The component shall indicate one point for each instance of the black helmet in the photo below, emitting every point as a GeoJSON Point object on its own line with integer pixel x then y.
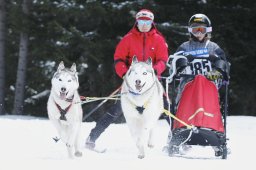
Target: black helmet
{"type": "Point", "coordinates": [200, 19]}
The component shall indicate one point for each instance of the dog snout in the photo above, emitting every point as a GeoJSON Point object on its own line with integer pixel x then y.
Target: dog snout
{"type": "Point", "coordinates": [63, 89]}
{"type": "Point", "coordinates": [137, 82]}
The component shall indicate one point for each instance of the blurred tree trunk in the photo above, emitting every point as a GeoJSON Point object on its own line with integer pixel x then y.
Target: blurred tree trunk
{"type": "Point", "coordinates": [2, 54]}
{"type": "Point", "coordinates": [22, 64]}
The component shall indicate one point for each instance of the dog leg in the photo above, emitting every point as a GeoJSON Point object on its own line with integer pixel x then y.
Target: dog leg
{"type": "Point", "coordinates": [78, 152]}
{"type": "Point", "coordinates": [70, 143]}
{"type": "Point", "coordinates": [135, 130]}
{"type": "Point", "coordinates": [72, 133]}
{"type": "Point", "coordinates": [140, 147]}
{"type": "Point", "coordinates": [151, 138]}
{"type": "Point", "coordinates": [60, 129]}
{"type": "Point", "coordinates": [70, 150]}
{"type": "Point", "coordinates": [142, 139]}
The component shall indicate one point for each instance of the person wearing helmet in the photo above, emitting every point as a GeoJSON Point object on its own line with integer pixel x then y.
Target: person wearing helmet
{"type": "Point", "coordinates": [143, 41]}
{"type": "Point", "coordinates": [200, 45]}
{"type": "Point", "coordinates": [197, 47]}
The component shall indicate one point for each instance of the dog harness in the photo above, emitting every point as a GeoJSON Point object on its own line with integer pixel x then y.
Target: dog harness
{"type": "Point", "coordinates": [63, 112]}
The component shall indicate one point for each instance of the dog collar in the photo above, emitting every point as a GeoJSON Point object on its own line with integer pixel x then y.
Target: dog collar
{"type": "Point", "coordinates": [134, 93]}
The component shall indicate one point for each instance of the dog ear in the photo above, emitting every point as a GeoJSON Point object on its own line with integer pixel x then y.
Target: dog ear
{"type": "Point", "coordinates": [73, 67]}
{"type": "Point", "coordinates": [76, 75]}
{"type": "Point", "coordinates": [149, 61]}
{"type": "Point", "coordinates": [134, 59]}
{"type": "Point", "coordinates": [61, 66]}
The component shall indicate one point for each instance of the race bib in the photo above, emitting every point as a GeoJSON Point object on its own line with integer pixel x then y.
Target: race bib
{"type": "Point", "coordinates": [199, 66]}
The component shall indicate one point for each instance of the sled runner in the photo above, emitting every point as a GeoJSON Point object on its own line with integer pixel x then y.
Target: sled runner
{"type": "Point", "coordinates": [198, 105]}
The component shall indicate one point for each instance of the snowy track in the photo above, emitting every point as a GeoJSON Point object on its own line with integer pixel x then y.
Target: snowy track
{"type": "Point", "coordinates": [26, 143]}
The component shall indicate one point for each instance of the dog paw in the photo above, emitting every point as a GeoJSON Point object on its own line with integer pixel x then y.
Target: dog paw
{"type": "Point", "coordinates": [68, 145]}
{"type": "Point", "coordinates": [150, 145]}
{"type": "Point", "coordinates": [56, 139]}
{"type": "Point", "coordinates": [78, 154]}
{"type": "Point", "coordinates": [141, 156]}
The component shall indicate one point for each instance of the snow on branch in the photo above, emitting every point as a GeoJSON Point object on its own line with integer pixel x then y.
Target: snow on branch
{"type": "Point", "coordinates": [33, 99]}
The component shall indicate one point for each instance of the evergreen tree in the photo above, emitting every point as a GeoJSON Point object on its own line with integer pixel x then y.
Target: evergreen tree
{"type": "Point", "coordinates": [2, 54]}
{"type": "Point", "coordinates": [87, 32]}
{"type": "Point", "coordinates": [22, 64]}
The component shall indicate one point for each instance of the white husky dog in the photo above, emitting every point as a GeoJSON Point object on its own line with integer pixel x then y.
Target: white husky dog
{"type": "Point", "coordinates": [142, 102]}
{"type": "Point", "coordinates": [64, 108]}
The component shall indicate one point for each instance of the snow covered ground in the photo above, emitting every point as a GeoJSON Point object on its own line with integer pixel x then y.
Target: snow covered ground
{"type": "Point", "coordinates": [26, 143]}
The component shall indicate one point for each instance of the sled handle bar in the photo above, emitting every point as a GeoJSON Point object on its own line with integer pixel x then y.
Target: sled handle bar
{"type": "Point", "coordinates": [188, 58]}
{"type": "Point", "coordinates": [207, 58]}
{"type": "Point", "coordinates": [185, 75]}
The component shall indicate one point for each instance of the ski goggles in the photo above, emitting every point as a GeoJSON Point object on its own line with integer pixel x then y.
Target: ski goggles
{"type": "Point", "coordinates": [144, 22]}
{"type": "Point", "coordinates": [201, 29]}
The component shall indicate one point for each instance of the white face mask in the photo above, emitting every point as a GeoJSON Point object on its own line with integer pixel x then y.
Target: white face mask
{"type": "Point", "coordinates": [144, 28]}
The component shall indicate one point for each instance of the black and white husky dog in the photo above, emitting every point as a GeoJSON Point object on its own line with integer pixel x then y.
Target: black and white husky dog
{"type": "Point", "coordinates": [142, 102]}
{"type": "Point", "coordinates": [64, 108]}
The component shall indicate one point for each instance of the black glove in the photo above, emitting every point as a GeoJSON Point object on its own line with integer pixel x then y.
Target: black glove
{"type": "Point", "coordinates": [213, 58]}
{"type": "Point", "coordinates": [223, 67]}
{"type": "Point", "coordinates": [155, 72]}
{"type": "Point", "coordinates": [190, 57]}
{"type": "Point", "coordinates": [181, 64]}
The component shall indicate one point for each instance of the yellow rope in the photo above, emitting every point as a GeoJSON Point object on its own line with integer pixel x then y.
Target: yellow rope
{"type": "Point", "coordinates": [101, 98]}
{"type": "Point", "coordinates": [93, 99]}
{"type": "Point", "coordinates": [201, 110]}
{"type": "Point", "coordinates": [196, 112]}
{"type": "Point", "coordinates": [174, 117]}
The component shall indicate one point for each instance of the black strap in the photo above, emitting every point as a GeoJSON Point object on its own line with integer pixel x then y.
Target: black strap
{"type": "Point", "coordinates": [119, 60]}
{"type": "Point", "coordinates": [63, 112]}
{"type": "Point", "coordinates": [140, 109]}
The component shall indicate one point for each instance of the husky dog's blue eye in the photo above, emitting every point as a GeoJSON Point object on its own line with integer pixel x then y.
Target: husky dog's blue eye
{"type": "Point", "coordinates": [145, 73]}
{"type": "Point", "coordinates": [69, 80]}
{"type": "Point", "coordinates": [60, 80]}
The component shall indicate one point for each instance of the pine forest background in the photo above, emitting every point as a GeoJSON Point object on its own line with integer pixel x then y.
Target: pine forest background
{"type": "Point", "coordinates": [35, 35]}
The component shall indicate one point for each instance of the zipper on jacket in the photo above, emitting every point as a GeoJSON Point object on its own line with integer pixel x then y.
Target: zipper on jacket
{"type": "Point", "coordinates": [144, 44]}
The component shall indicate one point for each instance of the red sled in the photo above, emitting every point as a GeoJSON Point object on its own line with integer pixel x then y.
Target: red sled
{"type": "Point", "coordinates": [199, 107]}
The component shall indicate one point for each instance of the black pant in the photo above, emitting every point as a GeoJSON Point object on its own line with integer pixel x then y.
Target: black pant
{"type": "Point", "coordinates": [111, 115]}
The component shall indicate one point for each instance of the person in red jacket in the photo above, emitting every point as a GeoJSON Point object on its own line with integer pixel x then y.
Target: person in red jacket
{"type": "Point", "coordinates": [143, 41]}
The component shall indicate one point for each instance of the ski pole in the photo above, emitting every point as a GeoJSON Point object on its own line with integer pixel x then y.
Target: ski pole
{"type": "Point", "coordinates": [100, 104]}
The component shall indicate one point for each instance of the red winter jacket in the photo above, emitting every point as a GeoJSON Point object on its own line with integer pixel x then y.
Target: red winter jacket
{"type": "Point", "coordinates": [143, 45]}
